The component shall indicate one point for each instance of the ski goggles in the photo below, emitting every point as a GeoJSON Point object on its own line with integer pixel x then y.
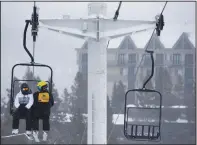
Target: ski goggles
{"type": "Point", "coordinates": [25, 89]}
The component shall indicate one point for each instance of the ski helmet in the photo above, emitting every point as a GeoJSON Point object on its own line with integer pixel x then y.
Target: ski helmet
{"type": "Point", "coordinates": [42, 85]}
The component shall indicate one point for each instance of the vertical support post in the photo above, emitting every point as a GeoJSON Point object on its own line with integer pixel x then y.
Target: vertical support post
{"type": "Point", "coordinates": [97, 91]}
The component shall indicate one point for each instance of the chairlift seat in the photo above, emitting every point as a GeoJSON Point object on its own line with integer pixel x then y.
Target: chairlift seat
{"type": "Point", "coordinates": [142, 131]}
{"type": "Point", "coordinates": [26, 80]}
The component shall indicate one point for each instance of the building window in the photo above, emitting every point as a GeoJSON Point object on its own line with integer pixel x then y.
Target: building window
{"type": "Point", "coordinates": [132, 58]}
{"type": "Point", "coordinates": [189, 73]}
{"type": "Point", "coordinates": [159, 59]}
{"type": "Point", "coordinates": [121, 58]}
{"type": "Point", "coordinates": [188, 59]}
{"type": "Point", "coordinates": [176, 59]}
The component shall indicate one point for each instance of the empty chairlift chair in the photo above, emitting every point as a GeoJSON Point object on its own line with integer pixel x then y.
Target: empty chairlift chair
{"type": "Point", "coordinates": [138, 129]}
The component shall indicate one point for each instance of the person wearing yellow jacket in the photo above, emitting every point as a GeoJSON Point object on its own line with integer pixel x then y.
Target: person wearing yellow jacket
{"type": "Point", "coordinates": [43, 101]}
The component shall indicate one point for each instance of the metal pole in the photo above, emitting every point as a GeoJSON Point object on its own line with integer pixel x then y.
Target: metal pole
{"type": "Point", "coordinates": [34, 43]}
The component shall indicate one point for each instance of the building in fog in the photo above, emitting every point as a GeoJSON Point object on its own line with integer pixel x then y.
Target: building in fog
{"type": "Point", "coordinates": [124, 60]}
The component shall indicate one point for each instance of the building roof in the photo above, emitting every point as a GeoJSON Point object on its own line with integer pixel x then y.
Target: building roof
{"type": "Point", "coordinates": [154, 43]}
{"type": "Point", "coordinates": [183, 42]}
{"type": "Point", "coordinates": [127, 43]}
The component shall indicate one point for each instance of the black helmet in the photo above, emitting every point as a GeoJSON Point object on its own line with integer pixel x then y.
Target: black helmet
{"type": "Point", "coordinates": [25, 89]}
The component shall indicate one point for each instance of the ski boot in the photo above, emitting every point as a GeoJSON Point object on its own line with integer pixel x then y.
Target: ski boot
{"type": "Point", "coordinates": [44, 136]}
{"type": "Point", "coordinates": [15, 131]}
{"type": "Point", "coordinates": [35, 135]}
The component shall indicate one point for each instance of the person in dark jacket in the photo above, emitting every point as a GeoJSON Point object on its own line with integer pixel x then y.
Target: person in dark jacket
{"type": "Point", "coordinates": [23, 103]}
{"type": "Point", "coordinates": [43, 101]}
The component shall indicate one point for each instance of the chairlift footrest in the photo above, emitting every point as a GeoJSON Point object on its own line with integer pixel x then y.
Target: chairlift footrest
{"type": "Point", "coordinates": [144, 132]}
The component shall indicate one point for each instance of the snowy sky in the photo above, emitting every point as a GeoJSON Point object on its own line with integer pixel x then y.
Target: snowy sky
{"type": "Point", "coordinates": [58, 50]}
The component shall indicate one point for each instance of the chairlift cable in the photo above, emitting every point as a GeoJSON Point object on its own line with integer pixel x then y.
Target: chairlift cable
{"type": "Point", "coordinates": [117, 11]}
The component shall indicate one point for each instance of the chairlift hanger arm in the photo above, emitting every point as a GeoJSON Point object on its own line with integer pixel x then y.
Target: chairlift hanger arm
{"type": "Point", "coordinates": [152, 69]}
{"type": "Point", "coordinates": [160, 21]}
{"type": "Point", "coordinates": [34, 22]}
{"type": "Point", "coordinates": [24, 40]}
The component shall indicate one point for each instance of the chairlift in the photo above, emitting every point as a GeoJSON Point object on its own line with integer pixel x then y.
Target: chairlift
{"type": "Point", "coordinates": [143, 131]}
{"type": "Point", "coordinates": [34, 23]}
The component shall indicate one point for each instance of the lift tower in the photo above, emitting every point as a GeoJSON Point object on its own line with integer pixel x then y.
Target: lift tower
{"type": "Point", "coordinates": [97, 29]}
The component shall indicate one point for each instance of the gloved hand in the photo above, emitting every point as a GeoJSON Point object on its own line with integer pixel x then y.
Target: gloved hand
{"type": "Point", "coordinates": [28, 109]}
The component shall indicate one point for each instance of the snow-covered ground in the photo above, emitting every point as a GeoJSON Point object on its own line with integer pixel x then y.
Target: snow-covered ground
{"type": "Point", "coordinates": [119, 118]}
{"type": "Point", "coordinates": [154, 106]}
